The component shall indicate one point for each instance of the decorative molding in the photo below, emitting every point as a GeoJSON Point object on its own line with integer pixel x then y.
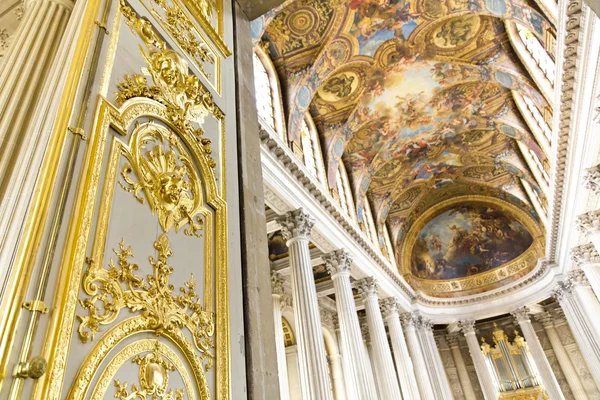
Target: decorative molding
{"type": "Point", "coordinates": [337, 262]}
{"type": "Point", "coordinates": [589, 223]}
{"type": "Point", "coordinates": [277, 282]}
{"type": "Point", "coordinates": [296, 224]}
{"type": "Point", "coordinates": [545, 318]}
{"type": "Point", "coordinates": [453, 339]}
{"type": "Point", "coordinates": [585, 254]}
{"type": "Point", "coordinates": [591, 178]}
{"type": "Point", "coordinates": [364, 329]}
{"type": "Point", "coordinates": [327, 319]}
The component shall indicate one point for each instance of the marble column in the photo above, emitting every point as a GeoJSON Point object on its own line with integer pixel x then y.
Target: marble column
{"type": "Point", "coordinates": [296, 227]}
{"type": "Point", "coordinates": [417, 357]}
{"type": "Point", "coordinates": [295, 391]}
{"type": "Point", "coordinates": [368, 350]}
{"type": "Point", "coordinates": [437, 373]}
{"type": "Point", "coordinates": [453, 340]}
{"type": "Point", "coordinates": [486, 381]}
{"type": "Point", "coordinates": [579, 322]}
{"type": "Point", "coordinates": [384, 364]}
{"type": "Point", "coordinates": [588, 301]}
{"type": "Point", "coordinates": [278, 303]}
{"type": "Point", "coordinates": [587, 258]}
{"type": "Point", "coordinates": [537, 352]}
{"type": "Point", "coordinates": [338, 263]}
{"type": "Point", "coordinates": [404, 366]}
{"type": "Point", "coordinates": [564, 361]}
{"type": "Point", "coordinates": [337, 376]}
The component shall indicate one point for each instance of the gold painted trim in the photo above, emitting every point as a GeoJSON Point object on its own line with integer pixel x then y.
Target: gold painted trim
{"type": "Point", "coordinates": [135, 348]}
{"type": "Point", "coordinates": [215, 35]}
{"type": "Point", "coordinates": [467, 285]}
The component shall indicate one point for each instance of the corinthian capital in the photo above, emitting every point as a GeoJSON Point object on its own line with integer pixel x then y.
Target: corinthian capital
{"type": "Point", "coordinates": [591, 179]}
{"type": "Point", "coordinates": [564, 290]}
{"type": "Point", "coordinates": [277, 283]}
{"type": "Point", "coordinates": [296, 224]}
{"type": "Point", "coordinates": [545, 318]}
{"type": "Point", "coordinates": [367, 287]}
{"type": "Point", "coordinates": [467, 326]}
{"type": "Point", "coordinates": [521, 314]}
{"type": "Point", "coordinates": [407, 320]}
{"type": "Point", "coordinates": [577, 277]}
{"type": "Point", "coordinates": [338, 262]}
{"type": "Point", "coordinates": [389, 307]}
{"type": "Point", "coordinates": [453, 339]}
{"type": "Point", "coordinates": [589, 223]}
{"type": "Point", "coordinates": [585, 254]}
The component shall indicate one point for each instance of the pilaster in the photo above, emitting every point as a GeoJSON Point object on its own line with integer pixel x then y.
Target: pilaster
{"type": "Point", "coordinates": [453, 340]}
{"type": "Point", "coordinates": [278, 303]}
{"type": "Point", "coordinates": [486, 381]}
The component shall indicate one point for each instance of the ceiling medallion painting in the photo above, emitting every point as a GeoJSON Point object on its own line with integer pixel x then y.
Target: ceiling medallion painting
{"type": "Point", "coordinates": [418, 100]}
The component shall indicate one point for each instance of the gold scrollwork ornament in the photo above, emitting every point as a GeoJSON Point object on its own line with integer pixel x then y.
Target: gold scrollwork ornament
{"type": "Point", "coordinates": [153, 377]}
{"type": "Point", "coordinates": [119, 287]}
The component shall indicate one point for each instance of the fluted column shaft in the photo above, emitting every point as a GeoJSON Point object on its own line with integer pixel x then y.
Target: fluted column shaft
{"type": "Point", "coordinates": [338, 264]}
{"type": "Point", "coordinates": [417, 357]}
{"type": "Point", "coordinates": [337, 376]}
{"type": "Point", "coordinates": [461, 367]}
{"type": "Point", "coordinates": [278, 303]}
{"type": "Point", "coordinates": [384, 364]}
{"type": "Point", "coordinates": [563, 358]}
{"type": "Point", "coordinates": [537, 352]}
{"type": "Point", "coordinates": [404, 366]}
{"type": "Point", "coordinates": [296, 227]}
{"type": "Point", "coordinates": [483, 373]}
{"type": "Point", "coordinates": [293, 366]}
{"type": "Point", "coordinates": [579, 323]}
{"type": "Point", "coordinates": [437, 373]}
{"type": "Point", "coordinates": [368, 350]}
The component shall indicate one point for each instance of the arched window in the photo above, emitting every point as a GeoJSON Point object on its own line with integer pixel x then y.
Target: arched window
{"type": "Point", "coordinates": [388, 245]}
{"type": "Point", "coordinates": [539, 165]}
{"type": "Point", "coordinates": [311, 151]}
{"type": "Point", "coordinates": [268, 97]}
{"type": "Point", "coordinates": [538, 52]}
{"type": "Point", "coordinates": [539, 118]}
{"type": "Point", "coordinates": [344, 192]}
{"type": "Point", "coordinates": [371, 231]}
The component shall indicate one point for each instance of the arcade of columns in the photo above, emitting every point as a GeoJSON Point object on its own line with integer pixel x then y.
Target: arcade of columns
{"type": "Point", "coordinates": [403, 361]}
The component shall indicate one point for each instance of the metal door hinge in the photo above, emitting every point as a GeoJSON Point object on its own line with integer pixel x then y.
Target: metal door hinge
{"type": "Point", "coordinates": [36, 305]}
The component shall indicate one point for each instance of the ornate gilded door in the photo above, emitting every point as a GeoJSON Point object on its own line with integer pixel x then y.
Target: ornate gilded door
{"type": "Point", "coordinates": [141, 307]}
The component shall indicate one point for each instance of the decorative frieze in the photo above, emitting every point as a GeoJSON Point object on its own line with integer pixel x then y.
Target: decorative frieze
{"type": "Point", "coordinates": [277, 282]}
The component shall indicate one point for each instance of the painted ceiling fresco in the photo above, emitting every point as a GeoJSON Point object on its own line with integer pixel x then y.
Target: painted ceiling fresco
{"type": "Point", "coordinates": [416, 98]}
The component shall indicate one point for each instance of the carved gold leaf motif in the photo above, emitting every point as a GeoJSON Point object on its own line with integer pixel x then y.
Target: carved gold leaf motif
{"type": "Point", "coordinates": [119, 287]}
{"type": "Point", "coordinates": [153, 379]}
{"type": "Point", "coordinates": [165, 173]}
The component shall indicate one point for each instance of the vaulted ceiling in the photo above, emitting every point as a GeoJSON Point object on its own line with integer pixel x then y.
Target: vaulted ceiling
{"type": "Point", "coordinates": [416, 99]}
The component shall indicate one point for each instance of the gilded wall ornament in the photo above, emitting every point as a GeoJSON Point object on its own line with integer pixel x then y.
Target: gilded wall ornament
{"type": "Point", "coordinates": [161, 168]}
{"type": "Point", "coordinates": [119, 287]}
{"type": "Point", "coordinates": [153, 379]}
{"type": "Point", "coordinates": [187, 101]}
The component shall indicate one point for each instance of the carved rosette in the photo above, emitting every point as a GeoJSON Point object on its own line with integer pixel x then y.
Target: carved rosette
{"type": "Point", "coordinates": [338, 262]}
{"type": "Point", "coordinates": [591, 179]}
{"type": "Point", "coordinates": [589, 223]}
{"type": "Point", "coordinates": [367, 287]}
{"type": "Point", "coordinates": [296, 224]}
{"type": "Point", "coordinates": [389, 307]}
{"type": "Point", "coordinates": [545, 318]}
{"type": "Point", "coordinates": [467, 326]}
{"type": "Point", "coordinates": [585, 254]}
{"type": "Point", "coordinates": [521, 314]}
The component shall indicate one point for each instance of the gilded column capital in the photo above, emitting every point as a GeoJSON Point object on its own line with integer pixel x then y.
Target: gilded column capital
{"type": "Point", "coordinates": [467, 326]}
{"type": "Point", "coordinates": [521, 314]}
{"type": "Point", "coordinates": [588, 223]}
{"type": "Point", "coordinates": [585, 254]}
{"type": "Point", "coordinates": [545, 318]}
{"type": "Point", "coordinates": [591, 179]}
{"type": "Point", "coordinates": [338, 262]}
{"type": "Point", "coordinates": [277, 282]}
{"type": "Point", "coordinates": [389, 308]}
{"type": "Point", "coordinates": [367, 287]}
{"type": "Point", "coordinates": [453, 339]}
{"type": "Point", "coordinates": [296, 224]}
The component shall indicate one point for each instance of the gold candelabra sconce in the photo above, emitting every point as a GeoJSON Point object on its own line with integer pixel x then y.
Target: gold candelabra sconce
{"type": "Point", "coordinates": [512, 367]}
